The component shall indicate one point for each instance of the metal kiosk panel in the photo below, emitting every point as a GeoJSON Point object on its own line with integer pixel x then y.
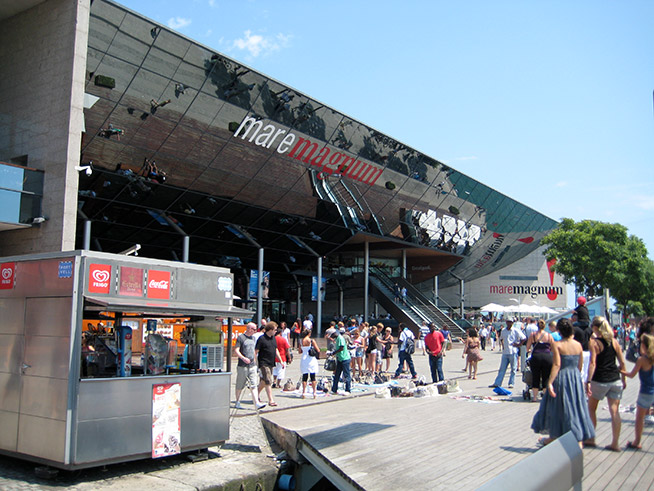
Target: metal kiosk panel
{"type": "Point", "coordinates": [90, 422]}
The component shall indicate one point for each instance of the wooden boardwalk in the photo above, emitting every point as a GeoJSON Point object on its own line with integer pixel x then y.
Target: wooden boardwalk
{"type": "Point", "coordinates": [446, 443]}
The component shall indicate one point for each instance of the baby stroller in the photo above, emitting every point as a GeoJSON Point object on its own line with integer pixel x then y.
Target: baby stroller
{"type": "Point", "coordinates": [528, 379]}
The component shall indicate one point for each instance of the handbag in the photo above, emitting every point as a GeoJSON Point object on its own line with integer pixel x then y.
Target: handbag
{"type": "Point", "coordinates": [632, 352]}
{"type": "Point", "coordinates": [314, 352]}
{"type": "Point", "coordinates": [330, 364]}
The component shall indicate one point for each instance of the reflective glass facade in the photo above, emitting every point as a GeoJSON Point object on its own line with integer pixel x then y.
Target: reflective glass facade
{"type": "Point", "coordinates": [240, 148]}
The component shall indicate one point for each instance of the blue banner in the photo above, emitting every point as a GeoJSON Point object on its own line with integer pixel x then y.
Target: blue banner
{"type": "Point", "coordinates": [254, 283]}
{"type": "Point", "coordinates": [314, 288]}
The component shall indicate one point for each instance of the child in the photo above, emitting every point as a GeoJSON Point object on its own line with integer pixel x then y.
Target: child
{"type": "Point", "coordinates": [643, 368]}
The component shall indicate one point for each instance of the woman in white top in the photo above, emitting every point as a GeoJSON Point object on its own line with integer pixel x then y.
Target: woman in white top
{"type": "Point", "coordinates": [308, 364]}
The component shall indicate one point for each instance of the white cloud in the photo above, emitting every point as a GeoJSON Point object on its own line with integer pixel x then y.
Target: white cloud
{"type": "Point", "coordinates": [644, 202]}
{"type": "Point", "coordinates": [256, 44]}
{"type": "Point", "coordinates": [212, 3]}
{"type": "Point", "coordinates": [178, 22]}
{"type": "Point", "coordinates": [562, 184]}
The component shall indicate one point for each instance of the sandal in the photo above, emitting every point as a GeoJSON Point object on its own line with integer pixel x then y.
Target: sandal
{"type": "Point", "coordinates": [542, 442]}
{"type": "Point", "coordinates": [590, 445]}
{"type": "Point", "coordinates": [633, 447]}
{"type": "Point", "coordinates": [272, 404]}
{"type": "Point", "coordinates": [612, 449]}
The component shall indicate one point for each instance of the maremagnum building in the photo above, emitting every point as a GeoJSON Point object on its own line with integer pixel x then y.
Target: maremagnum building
{"type": "Point", "coordinates": [119, 134]}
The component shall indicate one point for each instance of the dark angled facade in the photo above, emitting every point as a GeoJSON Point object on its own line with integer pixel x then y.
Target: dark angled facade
{"type": "Point", "coordinates": [241, 151]}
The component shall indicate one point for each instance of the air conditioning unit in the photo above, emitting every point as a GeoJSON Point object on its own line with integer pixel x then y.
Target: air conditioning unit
{"type": "Point", "coordinates": [208, 356]}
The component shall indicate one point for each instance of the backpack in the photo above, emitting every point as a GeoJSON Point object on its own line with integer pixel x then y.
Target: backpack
{"type": "Point", "coordinates": [410, 345]}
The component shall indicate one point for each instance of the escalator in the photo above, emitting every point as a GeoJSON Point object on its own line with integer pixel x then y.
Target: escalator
{"type": "Point", "coordinates": [351, 205]}
{"type": "Point", "coordinates": [417, 307]}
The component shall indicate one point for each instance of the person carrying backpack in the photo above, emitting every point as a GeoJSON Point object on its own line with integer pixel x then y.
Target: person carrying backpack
{"type": "Point", "coordinates": [407, 346]}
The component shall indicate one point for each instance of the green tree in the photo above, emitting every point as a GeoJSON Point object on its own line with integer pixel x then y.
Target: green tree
{"type": "Point", "coordinates": [596, 255]}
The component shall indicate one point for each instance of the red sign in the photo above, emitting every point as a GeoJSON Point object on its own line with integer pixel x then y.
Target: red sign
{"type": "Point", "coordinates": [158, 284]}
{"type": "Point", "coordinates": [131, 281]}
{"type": "Point", "coordinates": [99, 278]}
{"type": "Point", "coordinates": [7, 274]}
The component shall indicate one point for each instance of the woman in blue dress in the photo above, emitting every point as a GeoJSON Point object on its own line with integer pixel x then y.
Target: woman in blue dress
{"type": "Point", "coordinates": [564, 407]}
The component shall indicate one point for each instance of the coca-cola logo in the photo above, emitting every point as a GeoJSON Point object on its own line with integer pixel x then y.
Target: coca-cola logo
{"type": "Point", "coordinates": [162, 285]}
{"type": "Point", "coordinates": [99, 278]}
{"type": "Point", "coordinates": [159, 284]}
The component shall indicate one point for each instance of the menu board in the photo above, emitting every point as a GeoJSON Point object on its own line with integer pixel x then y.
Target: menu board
{"type": "Point", "coordinates": [166, 412]}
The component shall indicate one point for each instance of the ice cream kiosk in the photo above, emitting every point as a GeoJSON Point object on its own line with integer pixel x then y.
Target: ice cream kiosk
{"type": "Point", "coordinates": [72, 395]}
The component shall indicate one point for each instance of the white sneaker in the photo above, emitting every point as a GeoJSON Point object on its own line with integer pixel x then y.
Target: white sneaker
{"type": "Point", "coordinates": [238, 405]}
{"type": "Point", "coordinates": [261, 405]}
{"type": "Point", "coordinates": [649, 420]}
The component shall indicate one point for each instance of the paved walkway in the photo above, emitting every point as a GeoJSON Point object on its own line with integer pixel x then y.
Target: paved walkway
{"type": "Point", "coordinates": [248, 456]}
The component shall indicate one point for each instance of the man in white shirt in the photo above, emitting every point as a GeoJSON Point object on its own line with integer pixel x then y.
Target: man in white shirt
{"type": "Point", "coordinates": [307, 324]}
{"type": "Point", "coordinates": [531, 328]}
{"type": "Point", "coordinates": [483, 336]}
{"type": "Point", "coordinates": [424, 330]}
{"type": "Point", "coordinates": [407, 346]}
{"type": "Point", "coordinates": [512, 338]}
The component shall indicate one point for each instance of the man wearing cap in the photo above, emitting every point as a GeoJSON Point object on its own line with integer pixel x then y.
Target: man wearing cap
{"type": "Point", "coordinates": [512, 338]}
{"type": "Point", "coordinates": [435, 343]}
{"type": "Point", "coordinates": [582, 333]}
{"type": "Point", "coordinates": [342, 361]}
{"type": "Point", "coordinates": [583, 317]}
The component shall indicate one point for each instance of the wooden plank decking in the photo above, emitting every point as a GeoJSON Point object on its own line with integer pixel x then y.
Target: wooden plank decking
{"type": "Point", "coordinates": [444, 443]}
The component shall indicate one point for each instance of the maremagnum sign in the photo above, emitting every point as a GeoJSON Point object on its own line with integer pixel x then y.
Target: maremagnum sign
{"type": "Point", "coordinates": [327, 161]}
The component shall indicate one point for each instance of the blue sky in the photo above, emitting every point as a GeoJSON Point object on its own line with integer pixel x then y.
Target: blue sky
{"type": "Point", "coordinates": [549, 102]}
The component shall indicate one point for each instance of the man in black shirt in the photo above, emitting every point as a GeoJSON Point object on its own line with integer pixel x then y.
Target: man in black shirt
{"type": "Point", "coordinates": [266, 351]}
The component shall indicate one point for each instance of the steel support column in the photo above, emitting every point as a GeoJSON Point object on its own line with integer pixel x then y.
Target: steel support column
{"type": "Point", "coordinates": [366, 279]}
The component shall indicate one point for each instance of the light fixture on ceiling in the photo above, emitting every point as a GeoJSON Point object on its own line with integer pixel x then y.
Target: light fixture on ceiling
{"type": "Point", "coordinates": [39, 220]}
{"type": "Point", "coordinates": [132, 250]}
{"type": "Point", "coordinates": [87, 168]}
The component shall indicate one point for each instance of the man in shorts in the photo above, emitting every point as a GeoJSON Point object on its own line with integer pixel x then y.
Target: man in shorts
{"type": "Point", "coordinates": [265, 352]}
{"type": "Point", "coordinates": [246, 370]}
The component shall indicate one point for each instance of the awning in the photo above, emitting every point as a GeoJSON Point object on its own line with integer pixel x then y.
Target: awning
{"type": "Point", "coordinates": [168, 308]}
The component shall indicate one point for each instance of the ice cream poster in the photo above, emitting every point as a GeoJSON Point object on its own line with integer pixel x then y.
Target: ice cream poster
{"type": "Point", "coordinates": [166, 417]}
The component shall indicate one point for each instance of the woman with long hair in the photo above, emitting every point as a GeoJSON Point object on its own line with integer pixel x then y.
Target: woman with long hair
{"type": "Point", "coordinates": [308, 364]}
{"type": "Point", "coordinates": [473, 353]}
{"type": "Point", "coordinates": [605, 378]}
{"type": "Point", "coordinates": [357, 358]}
{"type": "Point", "coordinates": [295, 332]}
{"type": "Point", "coordinates": [387, 340]}
{"type": "Point", "coordinates": [563, 408]}
{"type": "Point", "coordinates": [371, 350]}
{"type": "Point", "coordinates": [540, 343]}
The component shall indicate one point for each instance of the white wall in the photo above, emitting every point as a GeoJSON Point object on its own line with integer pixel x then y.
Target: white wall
{"type": "Point", "coordinates": [498, 286]}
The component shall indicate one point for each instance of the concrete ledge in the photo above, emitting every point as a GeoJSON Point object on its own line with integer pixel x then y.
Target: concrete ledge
{"type": "Point", "coordinates": [557, 466]}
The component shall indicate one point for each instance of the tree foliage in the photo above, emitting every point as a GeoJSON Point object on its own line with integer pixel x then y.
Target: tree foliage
{"type": "Point", "coordinates": [596, 255]}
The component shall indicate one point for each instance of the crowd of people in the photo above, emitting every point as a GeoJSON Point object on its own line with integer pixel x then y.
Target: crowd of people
{"type": "Point", "coordinates": [359, 350]}
{"type": "Point", "coordinates": [574, 363]}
